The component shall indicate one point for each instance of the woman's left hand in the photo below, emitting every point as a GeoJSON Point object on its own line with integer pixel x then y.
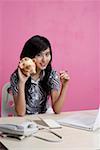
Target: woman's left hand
{"type": "Point", "coordinates": [64, 77]}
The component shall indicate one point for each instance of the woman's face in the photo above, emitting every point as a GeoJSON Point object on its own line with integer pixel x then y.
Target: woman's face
{"type": "Point", "coordinates": [42, 59]}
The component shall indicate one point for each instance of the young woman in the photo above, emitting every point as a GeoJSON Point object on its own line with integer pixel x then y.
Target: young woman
{"type": "Point", "coordinates": [31, 92]}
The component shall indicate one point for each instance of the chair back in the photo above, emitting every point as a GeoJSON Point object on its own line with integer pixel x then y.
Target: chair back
{"type": "Point", "coordinates": [7, 102]}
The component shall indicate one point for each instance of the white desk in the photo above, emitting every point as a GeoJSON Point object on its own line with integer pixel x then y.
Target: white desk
{"type": "Point", "coordinates": [73, 139]}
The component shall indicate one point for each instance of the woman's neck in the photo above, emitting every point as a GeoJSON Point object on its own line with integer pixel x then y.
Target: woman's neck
{"type": "Point", "coordinates": [36, 75]}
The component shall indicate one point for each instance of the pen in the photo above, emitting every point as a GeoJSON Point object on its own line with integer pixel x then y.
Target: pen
{"type": "Point", "coordinates": [41, 128]}
{"type": "Point", "coordinates": [42, 138]}
{"type": "Point", "coordinates": [56, 134]}
{"type": "Point", "coordinates": [45, 139]}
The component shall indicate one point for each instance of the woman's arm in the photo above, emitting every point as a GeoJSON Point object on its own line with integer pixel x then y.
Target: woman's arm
{"type": "Point", "coordinates": [19, 98]}
{"type": "Point", "coordinates": [57, 97]}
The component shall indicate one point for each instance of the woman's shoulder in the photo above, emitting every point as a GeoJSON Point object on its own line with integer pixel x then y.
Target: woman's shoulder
{"type": "Point", "coordinates": [14, 75]}
{"type": "Point", "coordinates": [53, 74]}
{"type": "Point", "coordinates": [54, 80]}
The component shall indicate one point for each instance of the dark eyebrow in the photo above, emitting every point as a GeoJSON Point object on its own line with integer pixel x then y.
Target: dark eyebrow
{"type": "Point", "coordinates": [46, 51]}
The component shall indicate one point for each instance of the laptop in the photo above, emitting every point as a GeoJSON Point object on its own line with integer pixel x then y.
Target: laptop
{"type": "Point", "coordinates": [89, 121]}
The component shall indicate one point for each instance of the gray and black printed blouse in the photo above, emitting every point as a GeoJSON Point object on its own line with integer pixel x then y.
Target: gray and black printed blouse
{"type": "Point", "coordinates": [36, 97]}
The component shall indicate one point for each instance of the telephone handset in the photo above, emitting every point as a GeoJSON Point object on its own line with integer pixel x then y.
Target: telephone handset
{"type": "Point", "coordinates": [29, 127]}
{"type": "Point", "coordinates": [26, 128]}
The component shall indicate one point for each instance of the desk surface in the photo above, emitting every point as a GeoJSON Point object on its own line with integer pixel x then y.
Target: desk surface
{"type": "Point", "coordinates": [73, 139]}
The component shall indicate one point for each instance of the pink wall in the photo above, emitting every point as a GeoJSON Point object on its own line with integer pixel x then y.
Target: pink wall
{"type": "Point", "coordinates": [72, 27]}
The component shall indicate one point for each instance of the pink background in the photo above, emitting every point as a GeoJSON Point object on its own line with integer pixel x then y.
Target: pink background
{"type": "Point", "coordinates": [73, 29]}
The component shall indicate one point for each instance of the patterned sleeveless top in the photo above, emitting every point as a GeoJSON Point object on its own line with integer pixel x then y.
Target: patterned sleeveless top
{"type": "Point", "coordinates": [35, 96]}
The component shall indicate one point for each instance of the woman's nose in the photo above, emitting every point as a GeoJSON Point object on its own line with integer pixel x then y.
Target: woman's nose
{"type": "Point", "coordinates": [44, 58]}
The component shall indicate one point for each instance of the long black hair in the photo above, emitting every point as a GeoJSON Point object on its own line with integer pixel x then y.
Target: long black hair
{"type": "Point", "coordinates": [34, 46]}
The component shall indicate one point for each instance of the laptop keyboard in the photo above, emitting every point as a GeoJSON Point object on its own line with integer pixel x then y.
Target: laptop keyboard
{"type": "Point", "coordinates": [86, 120]}
{"type": "Point", "coordinates": [79, 119]}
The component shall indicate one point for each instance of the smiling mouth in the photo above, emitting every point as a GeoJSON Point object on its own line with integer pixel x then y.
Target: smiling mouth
{"type": "Point", "coordinates": [43, 65]}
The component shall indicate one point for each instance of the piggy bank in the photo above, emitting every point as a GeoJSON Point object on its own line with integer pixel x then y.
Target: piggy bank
{"type": "Point", "coordinates": [27, 66]}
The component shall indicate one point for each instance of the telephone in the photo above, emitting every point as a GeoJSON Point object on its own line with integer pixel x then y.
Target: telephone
{"type": "Point", "coordinates": [26, 128]}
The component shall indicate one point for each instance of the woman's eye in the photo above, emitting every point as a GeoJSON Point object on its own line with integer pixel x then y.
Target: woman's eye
{"type": "Point", "coordinates": [39, 55]}
{"type": "Point", "coordinates": [47, 54]}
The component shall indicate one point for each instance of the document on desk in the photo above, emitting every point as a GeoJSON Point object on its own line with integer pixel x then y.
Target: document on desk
{"type": "Point", "coordinates": [52, 124]}
{"type": "Point", "coordinates": [82, 121]}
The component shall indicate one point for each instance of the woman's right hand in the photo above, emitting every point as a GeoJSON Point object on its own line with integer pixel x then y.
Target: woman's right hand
{"type": "Point", "coordinates": [23, 77]}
